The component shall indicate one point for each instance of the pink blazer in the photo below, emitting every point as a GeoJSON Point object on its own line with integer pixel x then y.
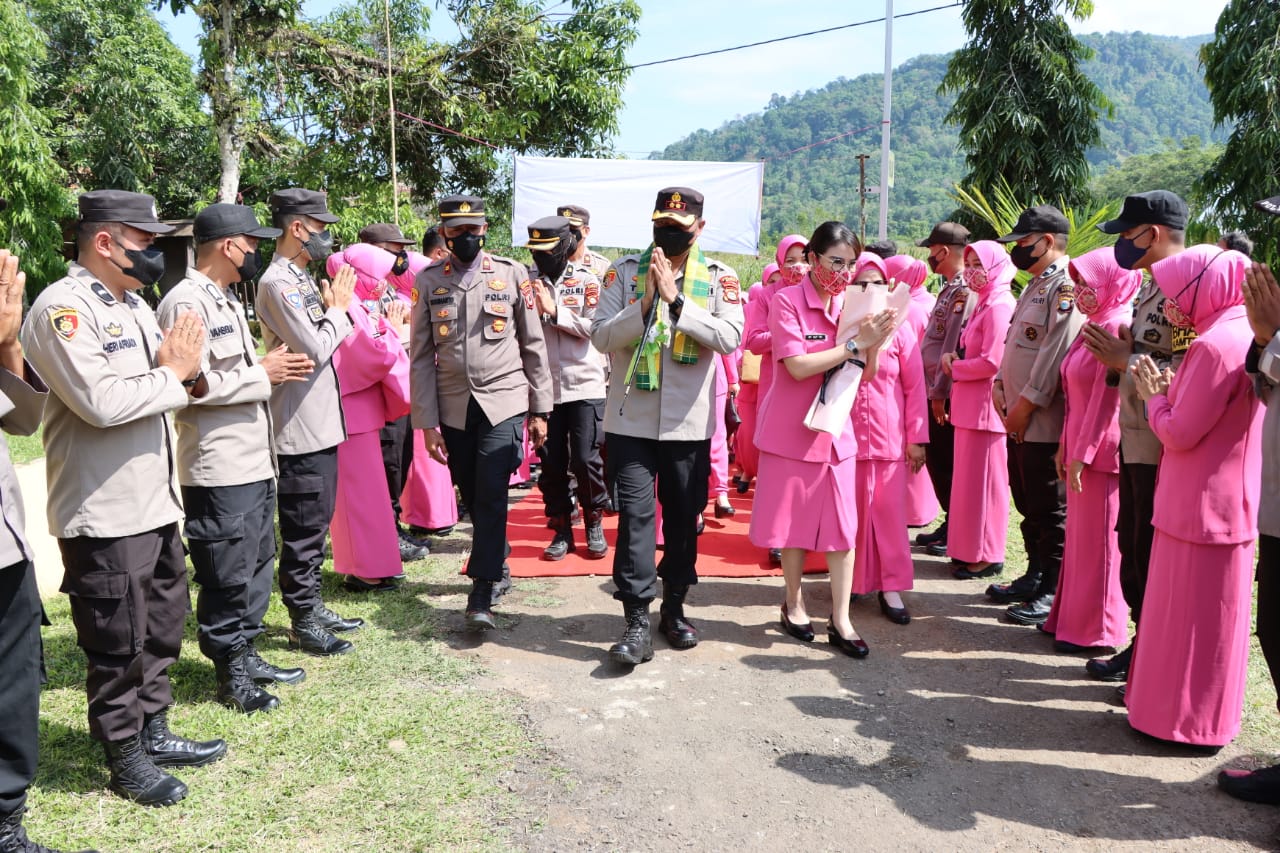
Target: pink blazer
{"type": "Point", "coordinates": [973, 375]}
{"type": "Point", "coordinates": [1091, 428]}
{"type": "Point", "coordinates": [891, 411]}
{"type": "Point", "coordinates": [756, 337]}
{"type": "Point", "coordinates": [373, 373]}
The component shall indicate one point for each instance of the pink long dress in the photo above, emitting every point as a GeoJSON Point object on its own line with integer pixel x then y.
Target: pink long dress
{"type": "Point", "coordinates": [1089, 608]}
{"type": "Point", "coordinates": [922, 503]}
{"type": "Point", "coordinates": [888, 413]}
{"type": "Point", "coordinates": [979, 519]}
{"type": "Point", "coordinates": [1188, 674]}
{"type": "Point", "coordinates": [726, 375]}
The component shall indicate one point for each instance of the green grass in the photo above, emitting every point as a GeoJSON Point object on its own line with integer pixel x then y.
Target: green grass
{"type": "Point", "coordinates": [388, 748]}
{"type": "Point", "coordinates": [25, 448]}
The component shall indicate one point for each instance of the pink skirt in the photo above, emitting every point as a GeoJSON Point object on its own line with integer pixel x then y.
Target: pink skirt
{"type": "Point", "coordinates": [1191, 655]}
{"type": "Point", "coordinates": [744, 440]}
{"type": "Point", "coordinates": [1089, 608]}
{"type": "Point", "coordinates": [883, 559]}
{"type": "Point", "coordinates": [523, 474]}
{"type": "Point", "coordinates": [809, 505]}
{"type": "Point", "coordinates": [978, 522]}
{"type": "Point", "coordinates": [428, 500]}
{"type": "Point", "coordinates": [363, 527]}
{"type": "Point", "coordinates": [718, 482]}
{"type": "Point", "coordinates": [922, 503]}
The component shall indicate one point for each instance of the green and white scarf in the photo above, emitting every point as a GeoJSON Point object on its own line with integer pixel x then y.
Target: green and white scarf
{"type": "Point", "coordinates": [684, 349]}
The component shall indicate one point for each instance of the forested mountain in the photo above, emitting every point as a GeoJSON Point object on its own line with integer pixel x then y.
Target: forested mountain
{"type": "Point", "coordinates": [1154, 83]}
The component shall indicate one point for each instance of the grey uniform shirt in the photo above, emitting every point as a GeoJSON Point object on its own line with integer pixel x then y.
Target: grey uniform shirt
{"type": "Point", "coordinates": [307, 414]}
{"type": "Point", "coordinates": [596, 262]}
{"type": "Point", "coordinates": [109, 455]}
{"type": "Point", "coordinates": [1153, 336]}
{"type": "Point", "coordinates": [476, 334]}
{"type": "Point", "coordinates": [577, 367]}
{"type": "Point", "coordinates": [21, 405]}
{"type": "Point", "coordinates": [950, 312]}
{"type": "Point", "coordinates": [683, 408]}
{"type": "Point", "coordinates": [1264, 367]}
{"type": "Point", "coordinates": [1045, 322]}
{"type": "Point", "coordinates": [224, 437]}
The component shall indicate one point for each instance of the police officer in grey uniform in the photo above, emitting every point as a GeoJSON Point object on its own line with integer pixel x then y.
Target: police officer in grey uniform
{"type": "Point", "coordinates": [566, 296]}
{"type": "Point", "coordinates": [478, 370]}
{"type": "Point", "coordinates": [22, 397]}
{"type": "Point", "coordinates": [395, 437]}
{"type": "Point", "coordinates": [1151, 227]}
{"type": "Point", "coordinates": [580, 221]}
{"type": "Point", "coordinates": [950, 312]}
{"type": "Point", "coordinates": [306, 415]}
{"type": "Point", "coordinates": [225, 463]}
{"type": "Point", "coordinates": [1028, 392]}
{"type": "Point", "coordinates": [659, 423]}
{"type": "Point", "coordinates": [113, 495]}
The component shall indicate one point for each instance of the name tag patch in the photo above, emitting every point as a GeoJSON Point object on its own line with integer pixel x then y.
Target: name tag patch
{"type": "Point", "coordinates": [815, 337]}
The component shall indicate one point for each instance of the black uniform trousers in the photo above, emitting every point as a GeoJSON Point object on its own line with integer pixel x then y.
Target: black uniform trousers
{"type": "Point", "coordinates": [1134, 531]}
{"type": "Point", "coordinates": [940, 460]}
{"type": "Point", "coordinates": [21, 672]}
{"type": "Point", "coordinates": [681, 469]}
{"type": "Point", "coordinates": [397, 458]}
{"type": "Point", "coordinates": [1269, 603]}
{"type": "Point", "coordinates": [129, 600]}
{"type": "Point", "coordinates": [1041, 498]}
{"type": "Point", "coordinates": [232, 539]}
{"type": "Point", "coordinates": [307, 490]}
{"type": "Point", "coordinates": [482, 458]}
{"type": "Point", "coordinates": [572, 452]}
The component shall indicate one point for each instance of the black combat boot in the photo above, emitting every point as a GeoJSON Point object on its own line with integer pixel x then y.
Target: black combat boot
{"type": "Point", "coordinates": [236, 689]}
{"type": "Point", "coordinates": [678, 630]}
{"type": "Point", "coordinates": [267, 673]}
{"type": "Point", "coordinates": [597, 548]}
{"type": "Point", "coordinates": [13, 838]}
{"type": "Point", "coordinates": [331, 621]}
{"type": "Point", "coordinates": [479, 615]}
{"type": "Point", "coordinates": [135, 776]}
{"type": "Point", "coordinates": [1024, 588]}
{"type": "Point", "coordinates": [502, 587]}
{"type": "Point", "coordinates": [1031, 612]}
{"type": "Point", "coordinates": [636, 645]}
{"type": "Point", "coordinates": [562, 543]}
{"type": "Point", "coordinates": [309, 634]}
{"type": "Point", "coordinates": [169, 750]}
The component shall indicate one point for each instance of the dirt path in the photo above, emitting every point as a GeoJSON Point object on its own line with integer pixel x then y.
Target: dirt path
{"type": "Point", "coordinates": [959, 732]}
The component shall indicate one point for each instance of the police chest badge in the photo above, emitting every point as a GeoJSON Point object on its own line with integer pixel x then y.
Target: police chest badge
{"type": "Point", "coordinates": [113, 329]}
{"type": "Point", "coordinates": [526, 291]}
{"type": "Point", "coordinates": [1031, 333]}
{"type": "Point", "coordinates": [65, 322]}
{"type": "Point", "coordinates": [413, 296]}
{"type": "Point", "coordinates": [499, 325]}
{"type": "Point", "coordinates": [443, 314]}
{"type": "Point", "coordinates": [1151, 336]}
{"type": "Point", "coordinates": [730, 290]}
{"type": "Point", "coordinates": [498, 285]}
{"type": "Point", "coordinates": [592, 294]}
{"type": "Point", "coordinates": [440, 291]}
{"type": "Point", "coordinates": [443, 330]}
{"type": "Point", "coordinates": [570, 301]}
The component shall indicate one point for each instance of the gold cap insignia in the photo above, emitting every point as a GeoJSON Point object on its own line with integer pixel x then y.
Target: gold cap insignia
{"type": "Point", "coordinates": [465, 207]}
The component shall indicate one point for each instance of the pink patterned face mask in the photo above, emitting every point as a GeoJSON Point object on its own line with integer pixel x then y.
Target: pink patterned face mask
{"type": "Point", "coordinates": [1175, 315]}
{"type": "Point", "coordinates": [975, 278]}
{"type": "Point", "coordinates": [792, 273]}
{"type": "Point", "coordinates": [1086, 299]}
{"type": "Point", "coordinates": [831, 281]}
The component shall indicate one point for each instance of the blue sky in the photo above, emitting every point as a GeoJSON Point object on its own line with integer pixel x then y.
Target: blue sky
{"type": "Point", "coordinates": [667, 102]}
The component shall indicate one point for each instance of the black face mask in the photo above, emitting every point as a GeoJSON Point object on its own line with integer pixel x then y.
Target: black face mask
{"type": "Point", "coordinates": [250, 265]}
{"type": "Point", "coordinates": [934, 263]}
{"type": "Point", "coordinates": [401, 266]}
{"type": "Point", "coordinates": [551, 264]}
{"type": "Point", "coordinates": [672, 239]}
{"type": "Point", "coordinates": [466, 246]}
{"type": "Point", "coordinates": [1022, 257]}
{"type": "Point", "coordinates": [319, 245]}
{"type": "Point", "coordinates": [148, 264]}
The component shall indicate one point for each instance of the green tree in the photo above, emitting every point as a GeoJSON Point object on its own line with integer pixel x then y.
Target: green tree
{"type": "Point", "coordinates": [1026, 112]}
{"type": "Point", "coordinates": [30, 178]}
{"type": "Point", "coordinates": [1242, 69]}
{"type": "Point", "coordinates": [1177, 168]}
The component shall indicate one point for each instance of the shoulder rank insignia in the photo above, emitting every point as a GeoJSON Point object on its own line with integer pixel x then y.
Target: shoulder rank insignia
{"type": "Point", "coordinates": [448, 268]}
{"type": "Point", "coordinates": [486, 262]}
{"type": "Point", "coordinates": [100, 291]}
{"type": "Point", "coordinates": [66, 322]}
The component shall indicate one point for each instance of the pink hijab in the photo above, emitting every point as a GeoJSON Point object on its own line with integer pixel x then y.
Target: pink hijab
{"type": "Point", "coordinates": [1205, 282]}
{"type": "Point", "coordinates": [871, 259]}
{"type": "Point", "coordinates": [905, 268]}
{"type": "Point", "coordinates": [769, 272]}
{"type": "Point", "coordinates": [1104, 289]}
{"type": "Point", "coordinates": [1000, 269]}
{"type": "Point", "coordinates": [372, 265]}
{"type": "Point", "coordinates": [781, 255]}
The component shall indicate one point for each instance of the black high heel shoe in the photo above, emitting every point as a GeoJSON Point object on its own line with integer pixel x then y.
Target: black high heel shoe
{"type": "Point", "coordinates": [801, 632]}
{"type": "Point", "coordinates": [897, 615]}
{"type": "Point", "coordinates": [725, 511]}
{"type": "Point", "coordinates": [853, 648]}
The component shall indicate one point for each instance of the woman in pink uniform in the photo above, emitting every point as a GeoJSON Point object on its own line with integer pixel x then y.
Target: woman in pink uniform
{"type": "Point", "coordinates": [891, 427]}
{"type": "Point", "coordinates": [744, 440]}
{"type": "Point", "coordinates": [718, 482]}
{"type": "Point", "coordinates": [979, 518]}
{"type": "Point", "coordinates": [1089, 610]}
{"type": "Point", "coordinates": [373, 373]}
{"type": "Point", "coordinates": [1187, 680]}
{"type": "Point", "coordinates": [922, 503]}
{"type": "Point", "coordinates": [806, 500]}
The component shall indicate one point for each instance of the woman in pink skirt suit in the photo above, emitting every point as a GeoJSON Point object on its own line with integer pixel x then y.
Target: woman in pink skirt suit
{"type": "Point", "coordinates": [922, 503]}
{"type": "Point", "coordinates": [718, 481]}
{"type": "Point", "coordinates": [806, 500]}
{"type": "Point", "coordinates": [891, 427]}
{"type": "Point", "coordinates": [373, 373]}
{"type": "Point", "coordinates": [1187, 680]}
{"type": "Point", "coordinates": [744, 440]}
{"type": "Point", "coordinates": [979, 518]}
{"type": "Point", "coordinates": [1089, 610]}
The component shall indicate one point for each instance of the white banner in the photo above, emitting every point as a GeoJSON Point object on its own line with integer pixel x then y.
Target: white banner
{"type": "Point", "coordinates": [620, 195]}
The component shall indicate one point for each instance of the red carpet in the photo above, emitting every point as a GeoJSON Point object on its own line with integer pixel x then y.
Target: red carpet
{"type": "Point", "coordinates": [724, 551]}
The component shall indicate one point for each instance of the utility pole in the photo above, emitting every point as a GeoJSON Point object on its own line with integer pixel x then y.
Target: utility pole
{"type": "Point", "coordinates": [886, 165]}
{"type": "Point", "coordinates": [862, 196]}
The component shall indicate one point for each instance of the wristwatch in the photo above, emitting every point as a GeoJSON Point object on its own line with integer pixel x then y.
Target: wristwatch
{"type": "Point", "coordinates": [191, 383]}
{"type": "Point", "coordinates": [543, 415]}
{"type": "Point", "coordinates": [851, 347]}
{"type": "Point", "coordinates": [676, 305]}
